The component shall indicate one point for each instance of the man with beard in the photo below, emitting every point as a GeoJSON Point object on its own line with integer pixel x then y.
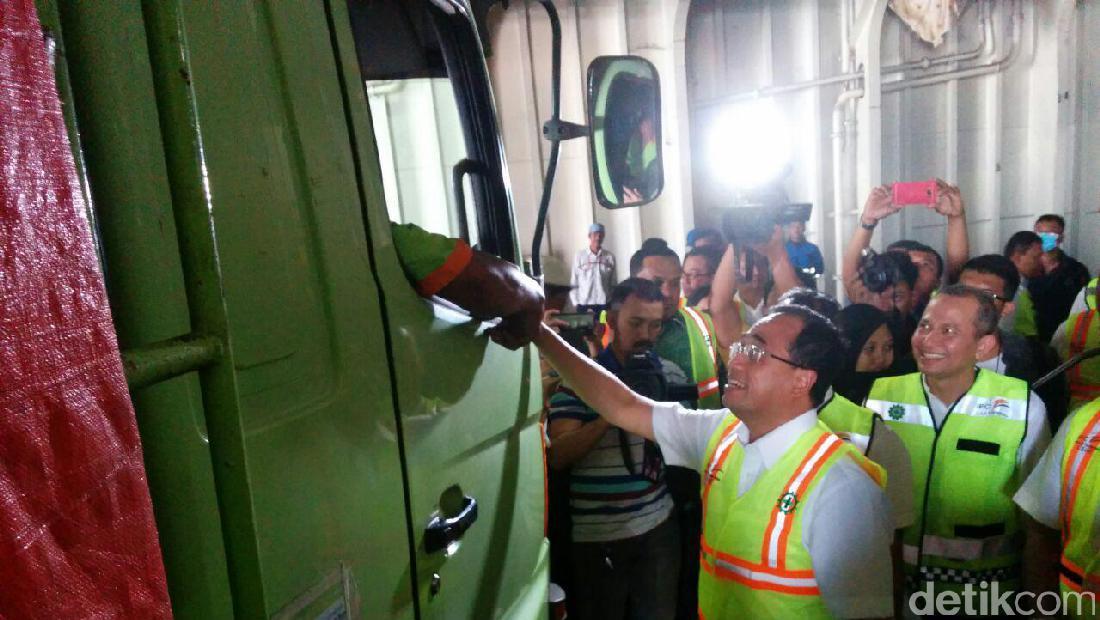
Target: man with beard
{"type": "Point", "coordinates": [796, 523]}
{"type": "Point", "coordinates": [625, 539]}
{"type": "Point", "coordinates": [972, 435]}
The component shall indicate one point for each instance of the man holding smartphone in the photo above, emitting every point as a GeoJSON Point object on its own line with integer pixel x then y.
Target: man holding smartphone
{"type": "Point", "coordinates": [884, 202]}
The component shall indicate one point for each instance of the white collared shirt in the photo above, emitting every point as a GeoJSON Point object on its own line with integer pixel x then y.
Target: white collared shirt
{"type": "Point", "coordinates": [593, 277]}
{"type": "Point", "coordinates": [847, 529]}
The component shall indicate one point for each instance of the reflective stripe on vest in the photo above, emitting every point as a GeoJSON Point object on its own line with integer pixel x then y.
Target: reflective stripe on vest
{"type": "Point", "coordinates": [1080, 498]}
{"type": "Point", "coordinates": [771, 573]}
{"type": "Point", "coordinates": [779, 528]}
{"type": "Point", "coordinates": [706, 379]}
{"type": "Point", "coordinates": [753, 560]}
{"type": "Point", "coordinates": [967, 527]}
{"type": "Point", "coordinates": [1084, 378]}
{"type": "Point", "coordinates": [849, 421]}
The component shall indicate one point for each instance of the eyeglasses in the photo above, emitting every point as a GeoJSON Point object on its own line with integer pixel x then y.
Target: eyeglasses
{"type": "Point", "coordinates": [993, 296]}
{"type": "Point", "coordinates": [755, 353]}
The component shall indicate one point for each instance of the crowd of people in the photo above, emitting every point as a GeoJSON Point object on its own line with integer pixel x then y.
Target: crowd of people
{"type": "Point", "coordinates": [727, 441]}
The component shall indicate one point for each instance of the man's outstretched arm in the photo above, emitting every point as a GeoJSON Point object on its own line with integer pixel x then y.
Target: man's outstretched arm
{"type": "Point", "coordinates": [597, 387]}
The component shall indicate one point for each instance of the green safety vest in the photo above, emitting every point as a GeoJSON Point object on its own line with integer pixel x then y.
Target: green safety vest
{"type": "Point", "coordinates": [704, 357]}
{"type": "Point", "coordinates": [1080, 501]}
{"type": "Point", "coordinates": [1090, 293]}
{"type": "Point", "coordinates": [1024, 323]}
{"type": "Point", "coordinates": [1082, 333]}
{"type": "Point", "coordinates": [851, 422]}
{"type": "Point", "coordinates": [753, 562]}
{"type": "Point", "coordinates": [964, 475]}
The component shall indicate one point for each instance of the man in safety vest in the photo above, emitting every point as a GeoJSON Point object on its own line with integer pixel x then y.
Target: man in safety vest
{"type": "Point", "coordinates": [1079, 333]}
{"type": "Point", "coordinates": [1025, 250]}
{"type": "Point", "coordinates": [1086, 298]}
{"type": "Point", "coordinates": [859, 426]}
{"type": "Point", "coordinates": [796, 524]}
{"type": "Point", "coordinates": [973, 435]}
{"type": "Point", "coordinates": [1062, 495]}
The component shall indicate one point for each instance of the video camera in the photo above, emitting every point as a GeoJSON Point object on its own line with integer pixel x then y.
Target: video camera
{"type": "Point", "coordinates": [645, 377]}
{"type": "Point", "coordinates": [642, 373]}
{"type": "Point", "coordinates": [878, 272]}
{"type": "Point", "coordinates": [755, 223]}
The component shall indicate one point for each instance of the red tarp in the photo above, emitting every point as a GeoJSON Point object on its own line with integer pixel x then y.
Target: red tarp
{"type": "Point", "coordinates": [77, 537]}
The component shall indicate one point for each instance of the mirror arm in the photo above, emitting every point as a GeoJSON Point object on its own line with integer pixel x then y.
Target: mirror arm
{"type": "Point", "coordinates": [550, 129]}
{"type": "Point", "coordinates": [557, 129]}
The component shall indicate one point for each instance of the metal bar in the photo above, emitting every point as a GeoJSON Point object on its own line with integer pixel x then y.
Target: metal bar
{"type": "Point", "coordinates": [555, 144]}
{"type": "Point", "coordinates": [170, 56]}
{"type": "Point", "coordinates": [160, 361]}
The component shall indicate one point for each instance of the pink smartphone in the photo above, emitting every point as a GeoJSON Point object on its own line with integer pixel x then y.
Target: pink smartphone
{"type": "Point", "coordinates": [916, 193]}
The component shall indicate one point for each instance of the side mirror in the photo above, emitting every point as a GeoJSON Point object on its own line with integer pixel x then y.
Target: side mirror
{"type": "Point", "coordinates": [624, 120]}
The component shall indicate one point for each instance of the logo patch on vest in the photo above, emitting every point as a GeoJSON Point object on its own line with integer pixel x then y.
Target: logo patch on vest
{"type": "Point", "coordinates": [787, 503]}
{"type": "Point", "coordinates": [997, 407]}
{"type": "Point", "coordinates": [896, 412]}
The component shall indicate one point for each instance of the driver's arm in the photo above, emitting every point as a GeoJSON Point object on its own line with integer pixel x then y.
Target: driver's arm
{"type": "Point", "coordinates": [484, 285]}
{"type": "Point", "coordinates": [597, 387]}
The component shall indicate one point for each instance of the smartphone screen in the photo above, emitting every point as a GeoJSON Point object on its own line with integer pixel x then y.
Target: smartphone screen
{"type": "Point", "coordinates": [915, 193]}
{"type": "Point", "coordinates": [580, 320]}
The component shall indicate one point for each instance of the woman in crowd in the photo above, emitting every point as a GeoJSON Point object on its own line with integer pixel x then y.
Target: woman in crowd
{"type": "Point", "coordinates": [870, 349]}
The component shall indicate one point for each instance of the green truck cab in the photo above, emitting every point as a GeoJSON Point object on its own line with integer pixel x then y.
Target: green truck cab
{"type": "Point", "coordinates": [319, 439]}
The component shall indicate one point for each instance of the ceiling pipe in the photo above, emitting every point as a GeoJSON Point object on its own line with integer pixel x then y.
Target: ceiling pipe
{"type": "Point", "coordinates": [988, 36]}
{"type": "Point", "coordinates": [1017, 18]}
{"type": "Point", "coordinates": [840, 146]}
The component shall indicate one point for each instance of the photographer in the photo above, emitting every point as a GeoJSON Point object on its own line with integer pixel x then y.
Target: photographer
{"type": "Point", "coordinates": [625, 538]}
{"type": "Point", "coordinates": [878, 207]}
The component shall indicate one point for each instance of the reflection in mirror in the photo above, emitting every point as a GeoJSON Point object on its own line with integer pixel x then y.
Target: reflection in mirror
{"type": "Point", "coordinates": [624, 118]}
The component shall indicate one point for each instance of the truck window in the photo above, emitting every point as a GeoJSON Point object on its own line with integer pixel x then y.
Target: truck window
{"type": "Point", "coordinates": [419, 136]}
{"type": "Point", "coordinates": [434, 119]}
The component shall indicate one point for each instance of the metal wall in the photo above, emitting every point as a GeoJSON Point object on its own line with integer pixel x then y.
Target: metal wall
{"type": "Point", "coordinates": [1013, 133]}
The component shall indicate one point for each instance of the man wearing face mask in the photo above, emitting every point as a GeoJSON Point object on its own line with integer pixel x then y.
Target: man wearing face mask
{"type": "Point", "coordinates": [1063, 276]}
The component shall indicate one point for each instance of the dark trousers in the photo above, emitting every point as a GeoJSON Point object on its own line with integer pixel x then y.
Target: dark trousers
{"type": "Point", "coordinates": [630, 579]}
{"type": "Point", "coordinates": [683, 484]}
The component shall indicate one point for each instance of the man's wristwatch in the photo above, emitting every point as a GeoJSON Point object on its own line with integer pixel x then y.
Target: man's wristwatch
{"type": "Point", "coordinates": [866, 226]}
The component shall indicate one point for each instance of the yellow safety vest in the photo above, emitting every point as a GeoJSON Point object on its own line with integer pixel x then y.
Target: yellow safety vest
{"type": "Point", "coordinates": [1080, 500]}
{"type": "Point", "coordinates": [704, 357]}
{"type": "Point", "coordinates": [964, 474]}
{"type": "Point", "coordinates": [753, 562]}
{"type": "Point", "coordinates": [1090, 293]}
{"type": "Point", "coordinates": [1083, 332]}
{"type": "Point", "coordinates": [851, 422]}
{"type": "Point", "coordinates": [1025, 323]}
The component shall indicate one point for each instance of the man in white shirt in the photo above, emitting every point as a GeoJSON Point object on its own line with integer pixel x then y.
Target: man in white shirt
{"type": "Point", "coordinates": [779, 372]}
{"type": "Point", "coordinates": [972, 436]}
{"type": "Point", "coordinates": [593, 273]}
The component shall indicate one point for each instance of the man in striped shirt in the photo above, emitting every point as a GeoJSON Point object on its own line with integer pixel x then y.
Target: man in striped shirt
{"type": "Point", "coordinates": [626, 549]}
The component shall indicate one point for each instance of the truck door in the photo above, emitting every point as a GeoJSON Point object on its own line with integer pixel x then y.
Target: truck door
{"type": "Point", "coordinates": [224, 184]}
{"type": "Point", "coordinates": [468, 409]}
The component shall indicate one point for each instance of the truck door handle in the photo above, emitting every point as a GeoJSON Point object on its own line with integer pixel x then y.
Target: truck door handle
{"type": "Point", "coordinates": [443, 531]}
{"type": "Point", "coordinates": [458, 172]}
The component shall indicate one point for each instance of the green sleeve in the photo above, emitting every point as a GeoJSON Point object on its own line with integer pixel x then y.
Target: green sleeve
{"type": "Point", "coordinates": [431, 261]}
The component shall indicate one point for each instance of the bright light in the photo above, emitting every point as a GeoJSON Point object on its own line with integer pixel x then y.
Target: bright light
{"type": "Point", "coordinates": [750, 144]}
